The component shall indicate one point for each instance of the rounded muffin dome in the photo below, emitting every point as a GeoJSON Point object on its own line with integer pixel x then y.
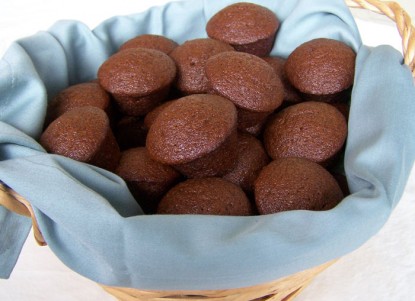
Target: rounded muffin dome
{"type": "Point", "coordinates": [136, 72]}
{"type": "Point", "coordinates": [247, 80]}
{"type": "Point", "coordinates": [313, 130]}
{"type": "Point", "coordinates": [191, 127]}
{"type": "Point", "coordinates": [83, 134]}
{"type": "Point", "coordinates": [295, 184]}
{"type": "Point", "coordinates": [214, 196]}
{"type": "Point", "coordinates": [248, 27]}
{"type": "Point", "coordinates": [151, 41]}
{"type": "Point", "coordinates": [138, 79]}
{"type": "Point", "coordinates": [321, 66]}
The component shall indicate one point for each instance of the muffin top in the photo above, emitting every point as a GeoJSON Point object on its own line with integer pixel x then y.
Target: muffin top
{"type": "Point", "coordinates": [312, 130]}
{"type": "Point", "coordinates": [77, 134]}
{"type": "Point", "coordinates": [190, 58]}
{"type": "Point", "coordinates": [213, 196]}
{"type": "Point", "coordinates": [137, 72]}
{"type": "Point", "coordinates": [321, 66]}
{"type": "Point", "coordinates": [242, 23]}
{"type": "Point", "coordinates": [247, 80]}
{"type": "Point", "coordinates": [78, 95]}
{"type": "Point", "coordinates": [191, 127]}
{"type": "Point", "coordinates": [151, 41]}
{"type": "Point", "coordinates": [295, 184]}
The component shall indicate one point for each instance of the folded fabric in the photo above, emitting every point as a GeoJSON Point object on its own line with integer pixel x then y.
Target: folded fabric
{"type": "Point", "coordinates": [92, 223]}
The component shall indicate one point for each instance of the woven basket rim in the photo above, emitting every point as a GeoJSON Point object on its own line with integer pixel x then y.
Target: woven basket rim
{"type": "Point", "coordinates": [400, 17]}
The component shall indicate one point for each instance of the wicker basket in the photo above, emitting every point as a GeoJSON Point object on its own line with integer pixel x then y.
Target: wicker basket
{"type": "Point", "coordinates": [282, 289]}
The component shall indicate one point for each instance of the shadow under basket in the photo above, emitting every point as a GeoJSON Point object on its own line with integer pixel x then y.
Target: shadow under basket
{"type": "Point", "coordinates": [282, 289]}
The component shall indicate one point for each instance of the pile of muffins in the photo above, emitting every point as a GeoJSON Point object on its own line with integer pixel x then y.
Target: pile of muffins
{"type": "Point", "coordinates": [214, 125]}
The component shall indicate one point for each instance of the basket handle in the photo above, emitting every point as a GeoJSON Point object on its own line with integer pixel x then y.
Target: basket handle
{"type": "Point", "coordinates": [403, 23]}
{"type": "Point", "coordinates": [18, 204]}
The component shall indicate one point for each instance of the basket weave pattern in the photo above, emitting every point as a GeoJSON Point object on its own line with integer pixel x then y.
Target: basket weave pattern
{"type": "Point", "coordinates": [403, 23]}
{"type": "Point", "coordinates": [283, 289]}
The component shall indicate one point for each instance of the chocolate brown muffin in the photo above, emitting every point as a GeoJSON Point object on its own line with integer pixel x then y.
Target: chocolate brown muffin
{"type": "Point", "coordinates": [150, 41]}
{"type": "Point", "coordinates": [312, 130]}
{"type": "Point", "coordinates": [214, 196]}
{"type": "Point", "coordinates": [83, 134]}
{"type": "Point", "coordinates": [197, 135]}
{"type": "Point", "coordinates": [295, 184]}
{"type": "Point", "coordinates": [251, 159]}
{"type": "Point", "coordinates": [130, 132]}
{"type": "Point", "coordinates": [247, 27]}
{"type": "Point", "coordinates": [291, 95]}
{"type": "Point", "coordinates": [147, 179]}
{"type": "Point", "coordinates": [191, 58]}
{"type": "Point", "coordinates": [322, 69]}
{"type": "Point", "coordinates": [249, 82]}
{"type": "Point", "coordinates": [79, 95]}
{"type": "Point", "coordinates": [138, 78]}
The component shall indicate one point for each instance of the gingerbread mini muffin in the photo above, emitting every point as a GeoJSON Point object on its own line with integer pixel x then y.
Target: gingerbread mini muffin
{"type": "Point", "coordinates": [248, 27]}
{"type": "Point", "coordinates": [249, 82]}
{"type": "Point", "coordinates": [322, 69]}
{"type": "Point", "coordinates": [214, 196]}
{"type": "Point", "coordinates": [83, 134]}
{"type": "Point", "coordinates": [251, 159]}
{"type": "Point", "coordinates": [138, 78]}
{"type": "Point", "coordinates": [191, 58]}
{"type": "Point", "coordinates": [196, 134]}
{"type": "Point", "coordinates": [150, 41]}
{"type": "Point", "coordinates": [295, 184]}
{"type": "Point", "coordinates": [312, 130]}
{"type": "Point", "coordinates": [79, 95]}
{"type": "Point", "coordinates": [147, 179]}
{"type": "Point", "coordinates": [291, 95]}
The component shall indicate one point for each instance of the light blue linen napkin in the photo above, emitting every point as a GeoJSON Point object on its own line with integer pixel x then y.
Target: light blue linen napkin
{"type": "Point", "coordinates": [90, 220]}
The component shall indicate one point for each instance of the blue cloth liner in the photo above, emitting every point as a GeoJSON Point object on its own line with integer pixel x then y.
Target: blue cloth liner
{"type": "Point", "coordinates": [92, 223]}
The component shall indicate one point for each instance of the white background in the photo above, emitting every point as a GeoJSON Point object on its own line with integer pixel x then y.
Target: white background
{"type": "Point", "coordinates": [382, 270]}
